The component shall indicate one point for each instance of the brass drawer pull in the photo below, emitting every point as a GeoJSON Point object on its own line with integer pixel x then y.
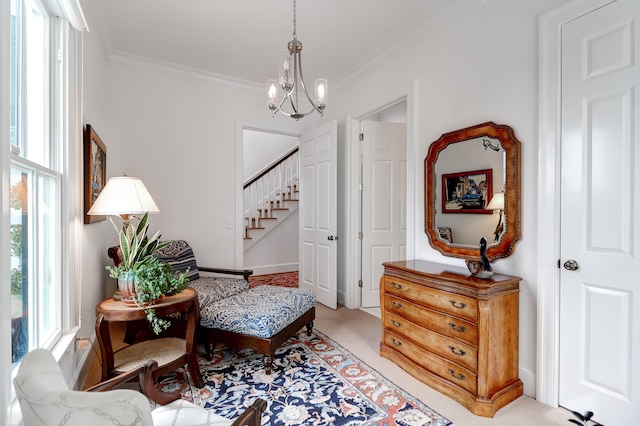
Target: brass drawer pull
{"type": "Point", "coordinates": [396, 285]}
{"type": "Point", "coordinates": [457, 352]}
{"type": "Point", "coordinates": [396, 342]}
{"type": "Point", "coordinates": [396, 323]}
{"type": "Point", "coordinates": [458, 376]}
{"type": "Point", "coordinates": [460, 329]}
{"type": "Point", "coordinates": [396, 304]}
{"type": "Point", "coordinates": [455, 304]}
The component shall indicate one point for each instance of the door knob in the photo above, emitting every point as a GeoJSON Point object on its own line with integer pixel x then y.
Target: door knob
{"type": "Point", "coordinates": [331, 238]}
{"type": "Point", "coordinates": [571, 265]}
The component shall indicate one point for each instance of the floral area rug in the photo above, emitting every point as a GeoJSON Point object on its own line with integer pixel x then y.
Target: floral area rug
{"type": "Point", "coordinates": [314, 381]}
{"type": "Point", "coordinates": [285, 279]}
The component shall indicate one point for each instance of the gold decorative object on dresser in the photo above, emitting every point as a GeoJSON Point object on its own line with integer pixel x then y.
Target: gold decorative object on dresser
{"type": "Point", "coordinates": [453, 331]}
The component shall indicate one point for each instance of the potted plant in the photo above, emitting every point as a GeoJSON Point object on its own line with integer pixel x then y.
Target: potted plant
{"type": "Point", "coordinates": [142, 278]}
{"type": "Point", "coordinates": [136, 250]}
{"type": "Point", "coordinates": [155, 279]}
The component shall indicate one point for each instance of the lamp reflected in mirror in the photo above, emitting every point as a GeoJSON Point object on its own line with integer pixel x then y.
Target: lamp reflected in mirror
{"type": "Point", "coordinates": [497, 204]}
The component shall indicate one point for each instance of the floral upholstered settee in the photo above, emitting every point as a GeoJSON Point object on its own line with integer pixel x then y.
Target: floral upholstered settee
{"type": "Point", "coordinates": [211, 288]}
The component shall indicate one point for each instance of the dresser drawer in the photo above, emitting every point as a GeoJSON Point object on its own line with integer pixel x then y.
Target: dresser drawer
{"type": "Point", "coordinates": [448, 370]}
{"type": "Point", "coordinates": [449, 303]}
{"type": "Point", "coordinates": [443, 324]}
{"type": "Point", "coordinates": [449, 348]}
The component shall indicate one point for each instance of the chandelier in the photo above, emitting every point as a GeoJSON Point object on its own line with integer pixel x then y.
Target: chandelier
{"type": "Point", "coordinates": [283, 93]}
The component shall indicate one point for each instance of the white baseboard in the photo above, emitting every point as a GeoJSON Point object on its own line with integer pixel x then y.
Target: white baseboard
{"type": "Point", "coordinates": [528, 378]}
{"type": "Point", "coordinates": [373, 311]}
{"type": "Point", "coordinates": [274, 269]}
{"type": "Point", "coordinates": [84, 364]}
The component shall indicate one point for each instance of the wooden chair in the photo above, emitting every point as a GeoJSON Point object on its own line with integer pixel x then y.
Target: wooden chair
{"type": "Point", "coordinates": [45, 398]}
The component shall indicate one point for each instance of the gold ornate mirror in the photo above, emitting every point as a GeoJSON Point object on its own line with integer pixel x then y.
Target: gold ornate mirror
{"type": "Point", "coordinates": [466, 173]}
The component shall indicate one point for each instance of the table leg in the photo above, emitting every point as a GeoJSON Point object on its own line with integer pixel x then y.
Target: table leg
{"type": "Point", "coordinates": [106, 349]}
{"type": "Point", "coordinates": [192, 357]}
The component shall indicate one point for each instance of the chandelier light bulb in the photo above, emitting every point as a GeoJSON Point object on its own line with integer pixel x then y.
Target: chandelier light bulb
{"type": "Point", "coordinates": [286, 75]}
{"type": "Point", "coordinates": [321, 92]}
{"type": "Point", "coordinates": [272, 88]}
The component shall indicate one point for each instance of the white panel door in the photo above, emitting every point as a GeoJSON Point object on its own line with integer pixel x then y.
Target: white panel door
{"type": "Point", "coordinates": [600, 216]}
{"type": "Point", "coordinates": [318, 214]}
{"type": "Point", "coordinates": [384, 202]}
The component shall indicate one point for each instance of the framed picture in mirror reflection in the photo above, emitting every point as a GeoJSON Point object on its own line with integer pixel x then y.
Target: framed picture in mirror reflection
{"type": "Point", "coordinates": [467, 192]}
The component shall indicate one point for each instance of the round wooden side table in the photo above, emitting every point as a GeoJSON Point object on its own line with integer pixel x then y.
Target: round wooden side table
{"type": "Point", "coordinates": [170, 353]}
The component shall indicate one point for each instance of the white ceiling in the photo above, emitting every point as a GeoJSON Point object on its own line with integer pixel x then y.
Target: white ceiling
{"type": "Point", "coordinates": [243, 39]}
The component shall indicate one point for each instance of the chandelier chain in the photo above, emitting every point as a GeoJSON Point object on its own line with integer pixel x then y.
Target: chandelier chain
{"type": "Point", "coordinates": [294, 20]}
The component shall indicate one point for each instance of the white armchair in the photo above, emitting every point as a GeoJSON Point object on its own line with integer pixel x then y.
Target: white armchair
{"type": "Point", "coordinates": [45, 399]}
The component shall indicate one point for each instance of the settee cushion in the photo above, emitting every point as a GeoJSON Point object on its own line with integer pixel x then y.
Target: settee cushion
{"type": "Point", "coordinates": [180, 256]}
{"type": "Point", "coordinates": [213, 289]}
{"type": "Point", "coordinates": [259, 312]}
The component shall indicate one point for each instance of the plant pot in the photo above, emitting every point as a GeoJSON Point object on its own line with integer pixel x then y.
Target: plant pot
{"type": "Point", "coordinates": [126, 284]}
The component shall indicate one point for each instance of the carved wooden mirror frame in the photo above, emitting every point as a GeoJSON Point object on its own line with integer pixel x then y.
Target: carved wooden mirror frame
{"type": "Point", "coordinates": [512, 215]}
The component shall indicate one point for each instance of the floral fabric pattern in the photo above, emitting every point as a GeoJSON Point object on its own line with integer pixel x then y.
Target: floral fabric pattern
{"type": "Point", "coordinates": [260, 312]}
{"type": "Point", "coordinates": [314, 382]}
{"type": "Point", "coordinates": [214, 289]}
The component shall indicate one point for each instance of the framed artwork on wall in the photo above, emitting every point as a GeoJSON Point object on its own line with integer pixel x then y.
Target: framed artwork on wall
{"type": "Point", "coordinates": [95, 171]}
{"type": "Point", "coordinates": [467, 192]}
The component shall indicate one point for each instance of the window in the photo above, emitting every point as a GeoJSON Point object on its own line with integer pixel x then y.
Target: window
{"type": "Point", "coordinates": [35, 179]}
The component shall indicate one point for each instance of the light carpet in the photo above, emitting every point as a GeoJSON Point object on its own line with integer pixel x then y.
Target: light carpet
{"type": "Point", "coordinates": [314, 381]}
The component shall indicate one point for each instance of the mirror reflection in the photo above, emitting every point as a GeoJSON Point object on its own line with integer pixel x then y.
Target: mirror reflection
{"type": "Point", "coordinates": [471, 173]}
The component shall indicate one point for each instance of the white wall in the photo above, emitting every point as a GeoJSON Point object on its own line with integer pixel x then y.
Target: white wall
{"type": "Point", "coordinates": [178, 132]}
{"type": "Point", "coordinates": [478, 62]}
{"type": "Point", "coordinates": [277, 251]}
{"type": "Point", "coordinates": [262, 148]}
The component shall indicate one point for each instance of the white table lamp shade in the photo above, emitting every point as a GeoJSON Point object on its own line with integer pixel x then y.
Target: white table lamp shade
{"type": "Point", "coordinates": [497, 202]}
{"type": "Point", "coordinates": [124, 195]}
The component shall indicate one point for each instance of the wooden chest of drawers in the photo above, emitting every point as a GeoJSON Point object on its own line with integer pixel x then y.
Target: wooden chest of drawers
{"type": "Point", "coordinates": [453, 331]}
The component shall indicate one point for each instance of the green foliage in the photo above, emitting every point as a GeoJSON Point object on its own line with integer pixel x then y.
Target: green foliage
{"type": "Point", "coordinates": [137, 248]}
{"type": "Point", "coordinates": [154, 279]}
{"type": "Point", "coordinates": [16, 251]}
{"type": "Point", "coordinates": [16, 280]}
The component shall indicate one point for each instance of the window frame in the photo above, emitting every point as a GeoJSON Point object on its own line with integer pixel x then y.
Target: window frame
{"type": "Point", "coordinates": [65, 108]}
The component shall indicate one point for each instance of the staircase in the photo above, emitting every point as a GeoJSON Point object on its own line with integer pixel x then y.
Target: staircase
{"type": "Point", "coordinates": [270, 197]}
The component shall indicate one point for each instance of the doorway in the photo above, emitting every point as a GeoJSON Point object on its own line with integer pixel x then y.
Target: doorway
{"type": "Point", "coordinates": [383, 194]}
{"type": "Point", "coordinates": [265, 159]}
{"type": "Point", "coordinates": [588, 309]}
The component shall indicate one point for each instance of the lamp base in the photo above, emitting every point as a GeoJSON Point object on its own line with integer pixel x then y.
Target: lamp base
{"type": "Point", "coordinates": [117, 295]}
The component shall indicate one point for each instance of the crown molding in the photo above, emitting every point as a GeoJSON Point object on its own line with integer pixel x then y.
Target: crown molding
{"type": "Point", "coordinates": [127, 59]}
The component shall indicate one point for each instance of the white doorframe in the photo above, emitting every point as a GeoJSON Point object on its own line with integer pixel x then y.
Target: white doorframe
{"type": "Point", "coordinates": [238, 226]}
{"type": "Point", "coordinates": [548, 309]}
{"type": "Point", "coordinates": [352, 247]}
